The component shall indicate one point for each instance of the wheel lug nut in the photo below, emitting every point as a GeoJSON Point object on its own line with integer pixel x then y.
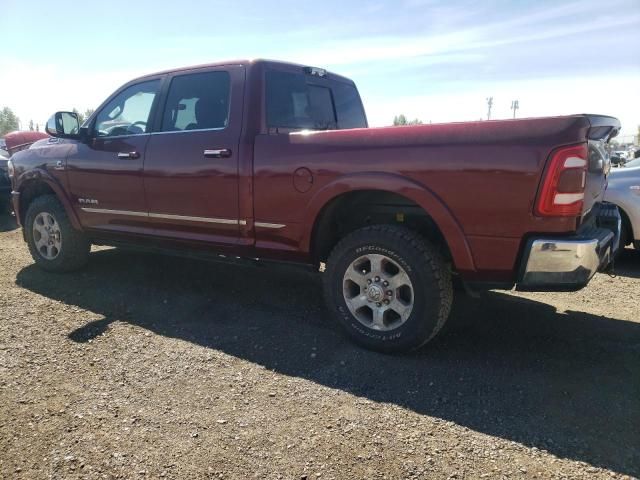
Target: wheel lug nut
{"type": "Point", "coordinates": [369, 281]}
{"type": "Point", "coordinates": [378, 304]}
{"type": "Point", "coordinates": [386, 302]}
{"type": "Point", "coordinates": [385, 283]}
{"type": "Point", "coordinates": [389, 293]}
{"type": "Point", "coordinates": [377, 279]}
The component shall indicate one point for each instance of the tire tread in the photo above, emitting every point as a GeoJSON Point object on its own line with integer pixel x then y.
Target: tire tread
{"type": "Point", "coordinates": [75, 247]}
{"type": "Point", "coordinates": [430, 254]}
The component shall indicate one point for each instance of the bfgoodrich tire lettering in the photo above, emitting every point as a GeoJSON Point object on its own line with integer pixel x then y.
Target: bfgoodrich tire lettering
{"type": "Point", "coordinates": [73, 248]}
{"type": "Point", "coordinates": [430, 278]}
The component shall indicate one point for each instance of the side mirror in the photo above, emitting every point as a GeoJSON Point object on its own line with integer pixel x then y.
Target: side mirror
{"type": "Point", "coordinates": [63, 125]}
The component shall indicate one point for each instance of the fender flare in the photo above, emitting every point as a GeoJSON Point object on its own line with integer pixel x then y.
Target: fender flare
{"type": "Point", "coordinates": [418, 193]}
{"type": "Point", "coordinates": [41, 175]}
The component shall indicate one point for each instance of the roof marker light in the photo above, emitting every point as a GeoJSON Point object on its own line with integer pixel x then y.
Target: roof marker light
{"type": "Point", "coordinates": [318, 72]}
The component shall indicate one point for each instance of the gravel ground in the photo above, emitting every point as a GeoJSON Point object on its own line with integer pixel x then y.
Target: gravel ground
{"type": "Point", "coordinates": [143, 366]}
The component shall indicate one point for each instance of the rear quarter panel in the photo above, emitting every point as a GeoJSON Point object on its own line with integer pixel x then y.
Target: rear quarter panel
{"type": "Point", "coordinates": [485, 175]}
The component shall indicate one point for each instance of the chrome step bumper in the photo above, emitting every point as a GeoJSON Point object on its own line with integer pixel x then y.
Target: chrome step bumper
{"type": "Point", "coordinates": [568, 263]}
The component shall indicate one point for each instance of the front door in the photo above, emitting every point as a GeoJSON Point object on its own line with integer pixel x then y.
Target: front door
{"type": "Point", "coordinates": [191, 165]}
{"type": "Point", "coordinates": [105, 174]}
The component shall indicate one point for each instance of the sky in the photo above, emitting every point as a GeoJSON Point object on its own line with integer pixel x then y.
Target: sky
{"type": "Point", "coordinates": [436, 60]}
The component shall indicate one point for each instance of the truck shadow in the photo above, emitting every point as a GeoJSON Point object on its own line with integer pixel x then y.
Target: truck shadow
{"type": "Point", "coordinates": [628, 265]}
{"type": "Point", "coordinates": [510, 367]}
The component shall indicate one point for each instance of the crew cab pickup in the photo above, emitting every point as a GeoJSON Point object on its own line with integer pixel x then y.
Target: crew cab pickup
{"type": "Point", "coordinates": [275, 161]}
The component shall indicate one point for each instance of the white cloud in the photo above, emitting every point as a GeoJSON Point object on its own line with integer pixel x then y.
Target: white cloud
{"type": "Point", "coordinates": [387, 66]}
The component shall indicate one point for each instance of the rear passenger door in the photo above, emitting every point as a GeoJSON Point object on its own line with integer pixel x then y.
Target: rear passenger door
{"type": "Point", "coordinates": [191, 165]}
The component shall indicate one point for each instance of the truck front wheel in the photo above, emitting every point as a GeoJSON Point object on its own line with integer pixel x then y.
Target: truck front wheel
{"type": "Point", "coordinates": [388, 287]}
{"type": "Point", "coordinates": [53, 242]}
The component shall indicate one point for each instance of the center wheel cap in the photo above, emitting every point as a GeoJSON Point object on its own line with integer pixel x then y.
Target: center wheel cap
{"type": "Point", "coordinates": [375, 293]}
{"type": "Point", "coordinates": [378, 292]}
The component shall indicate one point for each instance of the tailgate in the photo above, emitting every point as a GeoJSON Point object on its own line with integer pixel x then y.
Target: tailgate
{"type": "Point", "coordinates": [602, 130]}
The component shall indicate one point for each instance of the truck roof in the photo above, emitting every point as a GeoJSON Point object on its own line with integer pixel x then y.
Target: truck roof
{"type": "Point", "coordinates": [249, 62]}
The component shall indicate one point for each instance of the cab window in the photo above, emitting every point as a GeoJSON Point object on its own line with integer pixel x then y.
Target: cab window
{"type": "Point", "coordinates": [197, 101]}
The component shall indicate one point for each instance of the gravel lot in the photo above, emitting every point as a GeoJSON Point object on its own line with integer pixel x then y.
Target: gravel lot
{"type": "Point", "coordinates": [143, 367]}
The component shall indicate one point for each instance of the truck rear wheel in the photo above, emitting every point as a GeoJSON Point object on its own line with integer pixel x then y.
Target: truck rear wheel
{"type": "Point", "coordinates": [388, 287]}
{"type": "Point", "coordinates": [53, 242]}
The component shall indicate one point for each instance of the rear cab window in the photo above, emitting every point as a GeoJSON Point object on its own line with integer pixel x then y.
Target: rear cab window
{"type": "Point", "coordinates": [300, 101]}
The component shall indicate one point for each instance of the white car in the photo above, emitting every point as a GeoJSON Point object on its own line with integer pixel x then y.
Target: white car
{"type": "Point", "coordinates": [624, 191]}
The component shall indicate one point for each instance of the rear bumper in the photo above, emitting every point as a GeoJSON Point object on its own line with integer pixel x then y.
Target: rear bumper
{"type": "Point", "coordinates": [568, 263]}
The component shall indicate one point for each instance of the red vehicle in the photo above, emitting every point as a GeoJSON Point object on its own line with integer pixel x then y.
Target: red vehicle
{"type": "Point", "coordinates": [269, 160]}
{"type": "Point", "coordinates": [20, 140]}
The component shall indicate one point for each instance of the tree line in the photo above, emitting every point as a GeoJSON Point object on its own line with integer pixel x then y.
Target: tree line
{"type": "Point", "coordinates": [10, 122]}
{"type": "Point", "coordinates": [83, 116]}
{"type": "Point", "coordinates": [403, 120]}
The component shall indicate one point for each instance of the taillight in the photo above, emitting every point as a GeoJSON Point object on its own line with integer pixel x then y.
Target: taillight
{"type": "Point", "coordinates": [562, 192]}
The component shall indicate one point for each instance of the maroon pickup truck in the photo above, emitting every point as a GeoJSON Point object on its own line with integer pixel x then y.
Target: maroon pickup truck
{"type": "Point", "coordinates": [269, 160]}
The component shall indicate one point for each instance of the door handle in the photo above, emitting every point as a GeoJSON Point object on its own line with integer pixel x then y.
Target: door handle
{"type": "Point", "coordinates": [220, 153]}
{"type": "Point", "coordinates": [128, 155]}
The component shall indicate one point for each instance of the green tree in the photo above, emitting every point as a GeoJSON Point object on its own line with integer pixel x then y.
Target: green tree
{"type": "Point", "coordinates": [402, 120]}
{"type": "Point", "coordinates": [83, 116]}
{"type": "Point", "coordinates": [8, 121]}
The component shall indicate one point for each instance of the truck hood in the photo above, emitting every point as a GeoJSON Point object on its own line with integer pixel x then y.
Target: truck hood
{"type": "Point", "coordinates": [624, 172]}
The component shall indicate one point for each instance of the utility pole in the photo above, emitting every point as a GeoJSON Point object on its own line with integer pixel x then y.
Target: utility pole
{"type": "Point", "coordinates": [515, 106]}
{"type": "Point", "coordinates": [489, 104]}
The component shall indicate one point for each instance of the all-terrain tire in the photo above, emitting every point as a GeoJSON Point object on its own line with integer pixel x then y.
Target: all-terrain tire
{"type": "Point", "coordinates": [74, 251]}
{"type": "Point", "coordinates": [429, 274]}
